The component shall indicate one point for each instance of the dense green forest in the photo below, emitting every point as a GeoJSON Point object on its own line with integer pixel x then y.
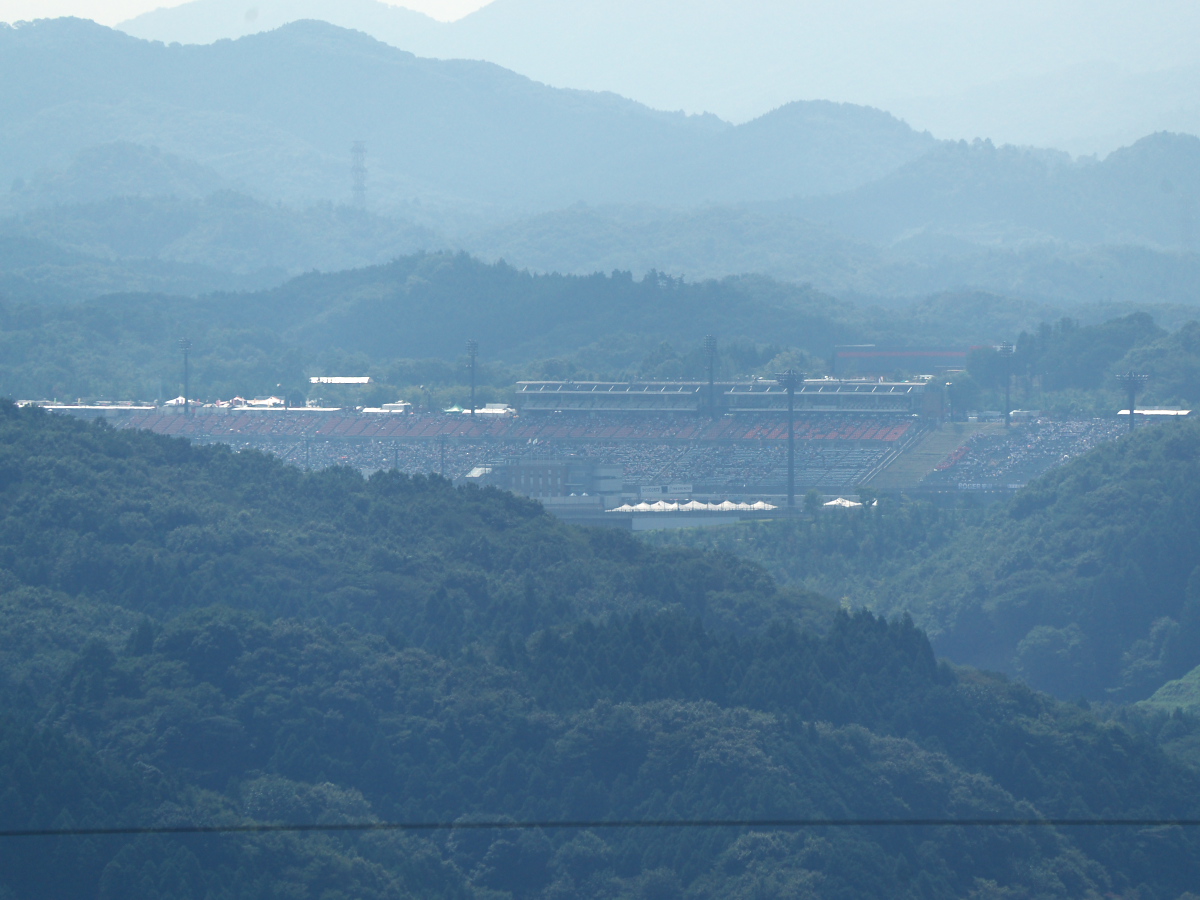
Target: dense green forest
{"type": "Point", "coordinates": [388, 321]}
{"type": "Point", "coordinates": [1085, 583]}
{"type": "Point", "coordinates": [193, 635]}
{"type": "Point", "coordinates": [406, 324]}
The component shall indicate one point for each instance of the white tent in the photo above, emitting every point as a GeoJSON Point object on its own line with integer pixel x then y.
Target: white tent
{"type": "Point", "coordinates": [843, 502]}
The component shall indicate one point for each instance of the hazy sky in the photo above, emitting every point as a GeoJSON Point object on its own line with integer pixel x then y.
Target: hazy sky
{"type": "Point", "coordinates": [110, 12]}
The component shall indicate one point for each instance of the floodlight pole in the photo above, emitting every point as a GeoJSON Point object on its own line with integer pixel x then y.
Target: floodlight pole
{"type": "Point", "coordinates": [185, 344]}
{"type": "Point", "coordinates": [789, 380]}
{"type": "Point", "coordinates": [472, 353]}
{"type": "Point", "coordinates": [1133, 382]}
{"type": "Point", "coordinates": [710, 348]}
{"type": "Point", "coordinates": [1006, 355]}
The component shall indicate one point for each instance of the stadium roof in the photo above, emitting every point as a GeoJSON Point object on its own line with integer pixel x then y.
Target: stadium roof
{"type": "Point", "coordinates": [610, 387]}
{"type": "Point", "coordinates": [1157, 412]}
{"type": "Point", "coordinates": [760, 386]}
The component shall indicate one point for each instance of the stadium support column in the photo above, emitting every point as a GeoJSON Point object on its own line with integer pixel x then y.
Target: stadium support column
{"type": "Point", "coordinates": [1006, 356]}
{"type": "Point", "coordinates": [790, 379]}
{"type": "Point", "coordinates": [710, 349]}
{"type": "Point", "coordinates": [472, 353]}
{"type": "Point", "coordinates": [1132, 382]}
{"type": "Point", "coordinates": [186, 345]}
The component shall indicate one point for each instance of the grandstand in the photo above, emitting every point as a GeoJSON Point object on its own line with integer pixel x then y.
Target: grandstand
{"type": "Point", "coordinates": [741, 457]}
{"type": "Point", "coordinates": [733, 457]}
{"type": "Point", "coordinates": [299, 424]}
{"type": "Point", "coordinates": [998, 460]}
{"type": "Point", "coordinates": [816, 395]}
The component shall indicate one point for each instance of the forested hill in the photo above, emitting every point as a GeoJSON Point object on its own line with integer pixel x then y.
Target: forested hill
{"type": "Point", "coordinates": [1085, 584]}
{"type": "Point", "coordinates": [196, 636]}
{"type": "Point", "coordinates": [417, 307]}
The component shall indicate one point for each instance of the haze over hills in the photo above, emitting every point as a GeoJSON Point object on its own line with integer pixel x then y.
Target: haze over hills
{"type": "Point", "coordinates": [277, 113]}
{"type": "Point", "coordinates": [1072, 75]}
{"type": "Point", "coordinates": [1022, 222]}
{"type": "Point", "coordinates": [133, 151]}
{"type": "Point", "coordinates": [1147, 193]}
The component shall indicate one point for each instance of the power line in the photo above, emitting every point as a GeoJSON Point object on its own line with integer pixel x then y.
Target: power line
{"type": "Point", "coordinates": [602, 824]}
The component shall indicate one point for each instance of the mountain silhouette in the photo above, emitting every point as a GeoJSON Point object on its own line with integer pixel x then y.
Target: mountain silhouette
{"type": "Point", "coordinates": [1087, 72]}
{"type": "Point", "coordinates": [277, 113]}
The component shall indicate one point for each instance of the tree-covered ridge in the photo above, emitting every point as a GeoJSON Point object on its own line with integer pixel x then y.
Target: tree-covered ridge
{"type": "Point", "coordinates": [402, 324]}
{"type": "Point", "coordinates": [1084, 583]}
{"type": "Point", "coordinates": [159, 526]}
{"type": "Point", "coordinates": [209, 637]}
{"type": "Point", "coordinates": [230, 719]}
{"type": "Point", "coordinates": [380, 320]}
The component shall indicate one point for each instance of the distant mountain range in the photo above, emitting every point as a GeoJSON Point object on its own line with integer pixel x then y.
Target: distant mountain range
{"type": "Point", "coordinates": [1143, 194]}
{"type": "Point", "coordinates": [1019, 222]}
{"type": "Point", "coordinates": [276, 113]}
{"type": "Point", "coordinates": [1081, 76]}
{"type": "Point", "coordinates": [234, 159]}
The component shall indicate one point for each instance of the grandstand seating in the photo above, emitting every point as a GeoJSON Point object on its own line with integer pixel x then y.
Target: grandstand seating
{"type": "Point", "coordinates": [727, 455]}
{"type": "Point", "coordinates": [1000, 460]}
{"type": "Point", "coordinates": [666, 428]}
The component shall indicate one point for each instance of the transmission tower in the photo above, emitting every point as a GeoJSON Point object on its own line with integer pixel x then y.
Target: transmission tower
{"type": "Point", "coordinates": [358, 173]}
{"type": "Point", "coordinates": [790, 380]}
{"type": "Point", "coordinates": [1133, 382]}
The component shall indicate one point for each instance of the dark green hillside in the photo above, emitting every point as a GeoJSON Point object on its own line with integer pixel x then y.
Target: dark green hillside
{"type": "Point", "coordinates": [1084, 582]}
{"type": "Point", "coordinates": [369, 319]}
{"type": "Point", "coordinates": [189, 635]}
{"type": "Point", "coordinates": [845, 556]}
{"type": "Point", "coordinates": [159, 526]}
{"type": "Point", "coordinates": [406, 324]}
